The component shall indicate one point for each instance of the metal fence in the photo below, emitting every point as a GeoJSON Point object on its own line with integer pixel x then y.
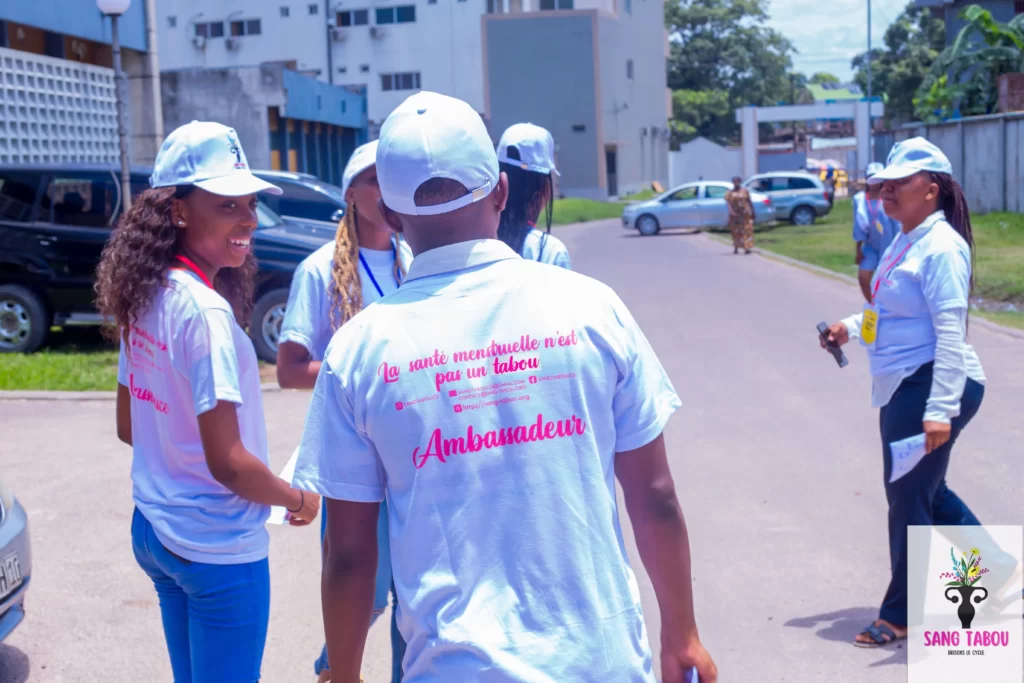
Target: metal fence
{"type": "Point", "coordinates": [986, 153]}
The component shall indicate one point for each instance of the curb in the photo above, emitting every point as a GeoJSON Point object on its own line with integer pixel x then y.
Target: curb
{"type": "Point", "coordinates": [825, 272]}
{"type": "Point", "coordinates": [268, 387]}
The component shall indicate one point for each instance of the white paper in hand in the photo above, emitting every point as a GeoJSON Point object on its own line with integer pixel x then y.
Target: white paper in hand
{"type": "Point", "coordinates": [278, 515]}
{"type": "Point", "coordinates": [905, 455]}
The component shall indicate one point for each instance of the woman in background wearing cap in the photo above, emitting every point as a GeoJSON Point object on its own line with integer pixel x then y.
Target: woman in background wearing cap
{"type": "Point", "coordinates": [873, 230]}
{"type": "Point", "coordinates": [365, 262]}
{"type": "Point", "coordinates": [175, 277]}
{"type": "Point", "coordinates": [526, 153]}
{"type": "Point", "coordinates": [926, 377]}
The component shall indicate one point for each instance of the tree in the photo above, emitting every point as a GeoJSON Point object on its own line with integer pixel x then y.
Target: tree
{"type": "Point", "coordinates": [965, 76]}
{"type": "Point", "coordinates": [722, 53]}
{"type": "Point", "coordinates": [911, 45]}
{"type": "Point", "coordinates": [822, 78]}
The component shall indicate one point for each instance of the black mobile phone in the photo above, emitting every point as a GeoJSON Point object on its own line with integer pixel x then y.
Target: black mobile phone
{"type": "Point", "coordinates": [832, 347]}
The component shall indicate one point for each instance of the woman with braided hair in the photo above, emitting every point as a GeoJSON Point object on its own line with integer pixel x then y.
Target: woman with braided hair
{"type": "Point", "coordinates": [365, 262]}
{"type": "Point", "coordinates": [926, 379]}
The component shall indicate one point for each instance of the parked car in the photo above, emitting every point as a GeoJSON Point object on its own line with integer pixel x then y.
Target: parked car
{"type": "Point", "coordinates": [54, 222]}
{"type": "Point", "coordinates": [15, 562]}
{"type": "Point", "coordinates": [693, 205]}
{"type": "Point", "coordinates": [306, 199]}
{"type": "Point", "coordinates": [799, 198]}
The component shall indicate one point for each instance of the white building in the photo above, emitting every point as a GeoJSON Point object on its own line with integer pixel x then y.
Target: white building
{"type": "Point", "coordinates": [391, 48]}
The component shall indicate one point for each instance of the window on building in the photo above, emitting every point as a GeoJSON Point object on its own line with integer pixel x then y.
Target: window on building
{"type": "Point", "coordinates": [172, 21]}
{"type": "Point", "coordinates": [431, 2]}
{"type": "Point", "coordinates": [246, 27]}
{"type": "Point", "coordinates": [314, 9]}
{"type": "Point", "coordinates": [565, 4]}
{"type": "Point", "coordinates": [385, 15]}
{"type": "Point", "coordinates": [364, 68]}
{"type": "Point", "coordinates": [547, 4]}
{"type": "Point", "coordinates": [628, 5]}
{"type": "Point", "coordinates": [1018, 8]}
{"type": "Point", "coordinates": [202, 30]}
{"type": "Point", "coordinates": [285, 12]}
{"type": "Point", "coordinates": [361, 17]}
{"type": "Point", "coordinates": [406, 81]}
{"type": "Point", "coordinates": [629, 69]}
{"type": "Point", "coordinates": [405, 14]}
{"type": "Point", "coordinates": [495, 6]}
{"type": "Point", "coordinates": [342, 70]}
{"type": "Point", "coordinates": [216, 29]}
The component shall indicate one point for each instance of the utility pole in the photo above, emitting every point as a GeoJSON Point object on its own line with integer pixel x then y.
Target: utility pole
{"type": "Point", "coordinates": [871, 124]}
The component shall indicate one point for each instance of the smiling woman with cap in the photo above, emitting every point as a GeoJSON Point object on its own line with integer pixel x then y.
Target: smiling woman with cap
{"type": "Point", "coordinates": [927, 380]}
{"type": "Point", "coordinates": [526, 154]}
{"type": "Point", "coordinates": [174, 278]}
{"type": "Point", "coordinates": [366, 261]}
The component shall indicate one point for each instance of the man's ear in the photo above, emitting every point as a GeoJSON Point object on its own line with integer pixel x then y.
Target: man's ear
{"type": "Point", "coordinates": [500, 193]}
{"type": "Point", "coordinates": [390, 217]}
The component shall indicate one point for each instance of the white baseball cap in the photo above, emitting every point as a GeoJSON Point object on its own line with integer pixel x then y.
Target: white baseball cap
{"type": "Point", "coordinates": [535, 145]}
{"type": "Point", "coordinates": [209, 156]}
{"type": "Point", "coordinates": [434, 136]}
{"type": "Point", "coordinates": [363, 158]}
{"type": "Point", "coordinates": [873, 168]}
{"type": "Point", "coordinates": [908, 157]}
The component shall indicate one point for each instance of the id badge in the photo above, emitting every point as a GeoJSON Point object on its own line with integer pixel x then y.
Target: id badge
{"type": "Point", "coordinates": [869, 327]}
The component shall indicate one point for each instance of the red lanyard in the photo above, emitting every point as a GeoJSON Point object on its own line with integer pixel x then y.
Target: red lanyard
{"type": "Point", "coordinates": [883, 272]}
{"type": "Point", "coordinates": [190, 265]}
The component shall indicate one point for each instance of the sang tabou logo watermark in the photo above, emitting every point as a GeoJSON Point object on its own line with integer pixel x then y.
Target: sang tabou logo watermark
{"type": "Point", "coordinates": [965, 589]}
{"type": "Point", "coordinates": [964, 603]}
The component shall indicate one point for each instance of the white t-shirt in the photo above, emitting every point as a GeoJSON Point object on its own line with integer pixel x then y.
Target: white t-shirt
{"type": "Point", "coordinates": [546, 248]}
{"type": "Point", "coordinates": [307, 318]}
{"type": "Point", "coordinates": [486, 400]}
{"type": "Point", "coordinates": [187, 353]}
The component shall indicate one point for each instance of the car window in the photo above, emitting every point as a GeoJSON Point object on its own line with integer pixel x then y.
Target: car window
{"type": "Point", "coordinates": [18, 195]}
{"type": "Point", "coordinates": [715, 191]}
{"type": "Point", "coordinates": [266, 217]}
{"type": "Point", "coordinates": [684, 194]}
{"type": "Point", "coordinates": [84, 200]}
{"type": "Point", "coordinates": [802, 184]}
{"type": "Point", "coordinates": [301, 201]}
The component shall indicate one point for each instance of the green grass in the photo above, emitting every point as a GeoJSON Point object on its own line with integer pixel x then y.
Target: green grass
{"type": "Point", "coordinates": [999, 250]}
{"type": "Point", "coordinates": [1007, 318]}
{"type": "Point", "coordinates": [568, 211]}
{"type": "Point", "coordinates": [76, 360]}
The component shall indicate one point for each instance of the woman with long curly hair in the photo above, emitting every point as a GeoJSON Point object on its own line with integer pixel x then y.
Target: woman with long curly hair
{"type": "Point", "coordinates": [526, 154]}
{"type": "Point", "coordinates": [927, 380]}
{"type": "Point", "coordinates": [365, 262]}
{"type": "Point", "coordinates": [175, 278]}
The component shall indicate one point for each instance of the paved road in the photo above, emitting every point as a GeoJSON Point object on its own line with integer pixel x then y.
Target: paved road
{"type": "Point", "coordinates": [775, 454]}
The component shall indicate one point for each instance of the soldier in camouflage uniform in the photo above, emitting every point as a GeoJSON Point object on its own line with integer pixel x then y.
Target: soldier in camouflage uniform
{"type": "Point", "coordinates": [741, 217]}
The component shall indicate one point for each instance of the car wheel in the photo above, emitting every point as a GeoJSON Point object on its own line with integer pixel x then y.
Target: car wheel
{"type": "Point", "coordinates": [647, 225]}
{"type": "Point", "coordinates": [24, 320]}
{"type": "Point", "coordinates": [265, 326]}
{"type": "Point", "coordinates": [803, 215]}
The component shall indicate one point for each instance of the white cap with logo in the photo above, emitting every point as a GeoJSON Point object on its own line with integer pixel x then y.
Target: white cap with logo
{"type": "Point", "coordinates": [908, 157]}
{"type": "Point", "coordinates": [534, 144]}
{"type": "Point", "coordinates": [434, 136]}
{"type": "Point", "coordinates": [873, 168]}
{"type": "Point", "coordinates": [209, 156]}
{"type": "Point", "coordinates": [363, 158]}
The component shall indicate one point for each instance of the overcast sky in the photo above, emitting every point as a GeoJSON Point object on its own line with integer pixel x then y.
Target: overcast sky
{"type": "Point", "coordinates": [828, 33]}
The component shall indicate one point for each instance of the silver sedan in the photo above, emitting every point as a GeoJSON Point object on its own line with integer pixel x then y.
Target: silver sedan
{"type": "Point", "coordinates": [694, 205]}
{"type": "Point", "coordinates": [15, 562]}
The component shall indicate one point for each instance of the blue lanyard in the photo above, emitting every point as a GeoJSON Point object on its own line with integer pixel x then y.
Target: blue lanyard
{"type": "Point", "coordinates": [369, 272]}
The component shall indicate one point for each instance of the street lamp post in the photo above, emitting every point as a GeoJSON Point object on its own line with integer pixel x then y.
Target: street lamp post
{"type": "Point", "coordinates": [114, 9]}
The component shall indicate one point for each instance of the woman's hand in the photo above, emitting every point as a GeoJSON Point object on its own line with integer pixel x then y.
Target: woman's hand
{"type": "Point", "coordinates": [837, 334]}
{"type": "Point", "coordinates": [307, 513]}
{"type": "Point", "coordinates": [936, 434]}
{"type": "Point", "coordinates": [677, 663]}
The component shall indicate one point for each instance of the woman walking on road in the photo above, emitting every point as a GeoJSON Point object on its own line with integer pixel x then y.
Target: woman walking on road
{"type": "Point", "coordinates": [926, 377]}
{"type": "Point", "coordinates": [175, 277]}
{"type": "Point", "coordinates": [741, 217]}
{"type": "Point", "coordinates": [365, 262]}
{"type": "Point", "coordinates": [526, 154]}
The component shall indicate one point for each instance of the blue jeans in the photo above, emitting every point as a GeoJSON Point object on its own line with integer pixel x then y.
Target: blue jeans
{"type": "Point", "coordinates": [384, 585]}
{"type": "Point", "coordinates": [921, 496]}
{"type": "Point", "coordinates": [215, 615]}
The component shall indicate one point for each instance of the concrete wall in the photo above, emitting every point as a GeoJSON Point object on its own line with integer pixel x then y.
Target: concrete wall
{"type": "Point", "coordinates": [702, 159]}
{"type": "Point", "coordinates": [785, 161]}
{"type": "Point", "coordinates": [78, 18]}
{"type": "Point", "coordinates": [530, 88]}
{"type": "Point", "coordinates": [987, 154]}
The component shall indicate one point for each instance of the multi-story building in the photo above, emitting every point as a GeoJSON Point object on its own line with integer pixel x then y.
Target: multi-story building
{"type": "Point", "coordinates": [392, 48]}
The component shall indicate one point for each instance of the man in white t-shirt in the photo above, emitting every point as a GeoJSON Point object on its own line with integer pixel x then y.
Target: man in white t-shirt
{"type": "Point", "coordinates": [493, 401]}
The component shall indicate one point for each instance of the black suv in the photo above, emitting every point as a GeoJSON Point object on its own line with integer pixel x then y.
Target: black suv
{"type": "Point", "coordinates": [54, 222]}
{"type": "Point", "coordinates": [305, 199]}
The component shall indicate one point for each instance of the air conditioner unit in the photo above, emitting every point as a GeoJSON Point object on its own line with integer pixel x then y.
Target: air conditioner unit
{"type": "Point", "coordinates": [199, 42]}
{"type": "Point", "coordinates": [232, 44]}
{"type": "Point", "coordinates": [376, 32]}
{"type": "Point", "coordinates": [338, 35]}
